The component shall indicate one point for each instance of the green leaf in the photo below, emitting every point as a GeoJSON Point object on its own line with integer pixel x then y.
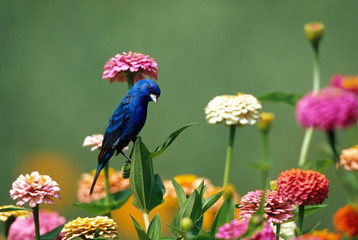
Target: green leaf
{"type": "Point", "coordinates": [201, 189]}
{"type": "Point", "coordinates": [8, 209]}
{"type": "Point", "coordinates": [100, 207]}
{"type": "Point", "coordinates": [191, 208]}
{"type": "Point", "coordinates": [155, 228]}
{"type": "Point", "coordinates": [281, 97]}
{"type": "Point", "coordinates": [211, 201]}
{"type": "Point", "coordinates": [180, 192]}
{"type": "Point", "coordinates": [147, 194]}
{"type": "Point", "coordinates": [260, 165]}
{"type": "Point", "coordinates": [53, 234]}
{"type": "Point", "coordinates": [140, 231]}
{"type": "Point", "coordinates": [225, 214]}
{"type": "Point", "coordinates": [96, 234]}
{"type": "Point", "coordinates": [308, 210]}
{"type": "Point", "coordinates": [161, 148]}
{"type": "Point", "coordinates": [202, 238]}
{"type": "Point", "coordinates": [319, 165]}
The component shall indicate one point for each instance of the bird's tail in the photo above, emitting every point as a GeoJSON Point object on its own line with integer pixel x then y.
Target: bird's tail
{"type": "Point", "coordinates": [101, 164]}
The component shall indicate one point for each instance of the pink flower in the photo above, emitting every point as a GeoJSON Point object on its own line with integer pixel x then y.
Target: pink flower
{"type": "Point", "coordinates": [35, 189]}
{"type": "Point", "coordinates": [331, 108]}
{"type": "Point", "coordinates": [25, 228]}
{"type": "Point", "coordinates": [349, 82]}
{"type": "Point", "coordinates": [234, 229]}
{"type": "Point", "coordinates": [117, 67]}
{"type": "Point", "coordinates": [276, 209]}
{"type": "Point", "coordinates": [302, 187]}
{"type": "Point", "coordinates": [95, 141]}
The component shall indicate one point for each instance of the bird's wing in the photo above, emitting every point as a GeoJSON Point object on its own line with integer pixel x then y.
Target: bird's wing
{"type": "Point", "coordinates": [117, 125]}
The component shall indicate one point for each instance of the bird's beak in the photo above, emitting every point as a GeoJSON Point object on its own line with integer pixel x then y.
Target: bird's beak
{"type": "Point", "coordinates": [153, 97]}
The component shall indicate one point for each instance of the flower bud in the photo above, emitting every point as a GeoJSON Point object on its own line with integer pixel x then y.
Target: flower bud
{"type": "Point", "coordinates": [186, 224]}
{"type": "Point", "coordinates": [126, 170]}
{"type": "Point", "coordinates": [314, 32]}
{"type": "Point", "coordinates": [228, 191]}
{"type": "Point", "coordinates": [273, 185]}
{"type": "Point", "coordinates": [266, 120]}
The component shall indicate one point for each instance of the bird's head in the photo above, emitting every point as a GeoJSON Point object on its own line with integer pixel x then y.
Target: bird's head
{"type": "Point", "coordinates": [148, 89]}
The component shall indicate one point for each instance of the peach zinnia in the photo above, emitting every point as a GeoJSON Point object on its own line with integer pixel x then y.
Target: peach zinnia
{"type": "Point", "coordinates": [349, 158]}
{"type": "Point", "coordinates": [303, 187]}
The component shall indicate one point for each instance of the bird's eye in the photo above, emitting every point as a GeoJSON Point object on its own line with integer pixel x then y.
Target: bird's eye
{"type": "Point", "coordinates": [150, 88]}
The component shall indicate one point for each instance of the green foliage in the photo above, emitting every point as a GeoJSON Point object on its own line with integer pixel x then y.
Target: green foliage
{"type": "Point", "coordinates": [53, 234]}
{"type": "Point", "coordinates": [192, 207]}
{"type": "Point", "coordinates": [146, 187]}
{"type": "Point", "coordinates": [100, 206]}
{"type": "Point", "coordinates": [155, 228]}
{"type": "Point", "coordinates": [140, 231]}
{"type": "Point", "coordinates": [308, 210]}
{"type": "Point", "coordinates": [281, 97]}
{"type": "Point", "coordinates": [8, 209]}
{"type": "Point", "coordinates": [161, 148]}
{"type": "Point", "coordinates": [224, 215]}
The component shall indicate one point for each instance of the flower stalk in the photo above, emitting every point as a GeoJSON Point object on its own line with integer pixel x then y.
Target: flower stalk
{"type": "Point", "coordinates": [8, 223]}
{"type": "Point", "coordinates": [305, 145]}
{"type": "Point", "coordinates": [229, 155]}
{"type": "Point", "coordinates": [106, 186]}
{"type": "Point", "coordinates": [146, 221]}
{"type": "Point", "coordinates": [265, 157]}
{"type": "Point", "coordinates": [301, 214]}
{"type": "Point", "coordinates": [35, 211]}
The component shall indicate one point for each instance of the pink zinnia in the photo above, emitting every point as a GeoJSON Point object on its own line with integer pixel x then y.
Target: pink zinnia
{"type": "Point", "coordinates": [25, 228]}
{"type": "Point", "coordinates": [117, 67]}
{"type": "Point", "coordinates": [95, 141]}
{"type": "Point", "coordinates": [349, 82]}
{"type": "Point", "coordinates": [234, 230]}
{"type": "Point", "coordinates": [331, 108]}
{"type": "Point", "coordinates": [302, 187]}
{"type": "Point", "coordinates": [276, 209]}
{"type": "Point", "coordinates": [35, 189]}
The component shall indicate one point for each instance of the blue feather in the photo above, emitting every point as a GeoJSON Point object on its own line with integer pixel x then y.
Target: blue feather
{"type": "Point", "coordinates": [127, 121]}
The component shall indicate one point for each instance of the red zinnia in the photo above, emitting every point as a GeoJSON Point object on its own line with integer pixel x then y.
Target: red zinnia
{"type": "Point", "coordinates": [303, 187]}
{"type": "Point", "coordinates": [346, 220]}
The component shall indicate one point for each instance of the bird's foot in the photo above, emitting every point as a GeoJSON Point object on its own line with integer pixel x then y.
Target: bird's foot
{"type": "Point", "coordinates": [128, 159]}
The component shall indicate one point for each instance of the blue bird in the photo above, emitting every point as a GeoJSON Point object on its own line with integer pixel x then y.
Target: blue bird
{"type": "Point", "coordinates": [126, 122]}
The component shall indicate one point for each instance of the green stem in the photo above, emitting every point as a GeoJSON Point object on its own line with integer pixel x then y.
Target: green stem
{"type": "Point", "coordinates": [352, 135]}
{"type": "Point", "coordinates": [146, 221]}
{"type": "Point", "coordinates": [107, 186]}
{"type": "Point", "coordinates": [305, 145]}
{"type": "Point", "coordinates": [7, 226]}
{"type": "Point", "coordinates": [265, 157]}
{"type": "Point", "coordinates": [130, 78]}
{"type": "Point", "coordinates": [301, 214]}
{"type": "Point", "coordinates": [278, 229]}
{"type": "Point", "coordinates": [316, 71]}
{"type": "Point", "coordinates": [229, 154]}
{"type": "Point", "coordinates": [35, 211]}
{"type": "Point", "coordinates": [332, 143]}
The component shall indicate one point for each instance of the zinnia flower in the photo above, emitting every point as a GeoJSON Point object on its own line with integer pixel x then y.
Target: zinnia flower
{"type": "Point", "coordinates": [324, 235]}
{"type": "Point", "coordinates": [19, 213]}
{"type": "Point", "coordinates": [314, 31]}
{"type": "Point", "coordinates": [25, 228]}
{"type": "Point", "coordinates": [349, 158]}
{"type": "Point", "coordinates": [35, 189]}
{"type": "Point", "coordinates": [234, 230]}
{"type": "Point", "coordinates": [117, 67]}
{"type": "Point", "coordinates": [331, 108]}
{"type": "Point", "coordinates": [266, 121]}
{"type": "Point", "coordinates": [116, 183]}
{"type": "Point", "coordinates": [276, 209]}
{"type": "Point", "coordinates": [241, 109]}
{"type": "Point", "coordinates": [302, 187]}
{"type": "Point", "coordinates": [349, 82]}
{"type": "Point", "coordinates": [287, 229]}
{"type": "Point", "coordinates": [346, 220]}
{"type": "Point", "coordinates": [87, 227]}
{"type": "Point", "coordinates": [95, 141]}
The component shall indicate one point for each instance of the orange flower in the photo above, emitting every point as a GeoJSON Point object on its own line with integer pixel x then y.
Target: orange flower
{"type": "Point", "coordinates": [346, 220]}
{"type": "Point", "coordinates": [325, 235]}
{"type": "Point", "coordinates": [116, 183]}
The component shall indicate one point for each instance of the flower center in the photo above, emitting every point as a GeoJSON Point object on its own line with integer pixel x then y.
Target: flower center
{"type": "Point", "coordinates": [39, 179]}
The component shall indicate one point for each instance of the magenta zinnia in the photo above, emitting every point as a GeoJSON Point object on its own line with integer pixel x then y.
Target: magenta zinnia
{"type": "Point", "coordinates": [302, 187]}
{"type": "Point", "coordinates": [25, 228]}
{"type": "Point", "coordinates": [331, 108]}
{"type": "Point", "coordinates": [349, 82]}
{"type": "Point", "coordinates": [118, 67]}
{"type": "Point", "coordinates": [35, 189]}
{"type": "Point", "coordinates": [276, 209]}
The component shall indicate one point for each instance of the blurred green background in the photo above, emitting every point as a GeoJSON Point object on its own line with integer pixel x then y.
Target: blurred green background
{"type": "Point", "coordinates": [52, 55]}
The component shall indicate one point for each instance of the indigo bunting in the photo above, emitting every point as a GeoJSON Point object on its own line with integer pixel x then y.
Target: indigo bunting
{"type": "Point", "coordinates": [126, 122]}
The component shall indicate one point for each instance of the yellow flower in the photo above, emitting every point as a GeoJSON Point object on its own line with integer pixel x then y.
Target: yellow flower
{"type": "Point", "coordinates": [20, 213]}
{"type": "Point", "coordinates": [266, 120]}
{"type": "Point", "coordinates": [87, 227]}
{"type": "Point", "coordinates": [241, 109]}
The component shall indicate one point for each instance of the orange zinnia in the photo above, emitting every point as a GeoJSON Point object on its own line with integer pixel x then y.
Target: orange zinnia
{"type": "Point", "coordinates": [346, 220]}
